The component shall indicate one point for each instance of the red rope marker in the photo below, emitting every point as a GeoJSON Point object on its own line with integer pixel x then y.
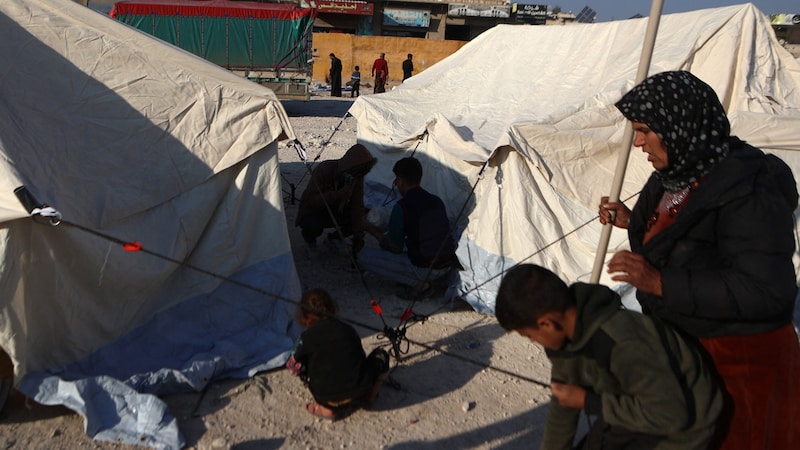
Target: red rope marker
{"type": "Point", "coordinates": [376, 307]}
{"type": "Point", "coordinates": [132, 246]}
{"type": "Point", "coordinates": [407, 315]}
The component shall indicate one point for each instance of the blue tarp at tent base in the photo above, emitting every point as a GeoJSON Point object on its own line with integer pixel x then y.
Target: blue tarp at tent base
{"type": "Point", "coordinates": [233, 332]}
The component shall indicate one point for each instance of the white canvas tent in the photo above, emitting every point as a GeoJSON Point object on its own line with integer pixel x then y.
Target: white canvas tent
{"type": "Point", "coordinates": [133, 140]}
{"type": "Point", "coordinates": [537, 104]}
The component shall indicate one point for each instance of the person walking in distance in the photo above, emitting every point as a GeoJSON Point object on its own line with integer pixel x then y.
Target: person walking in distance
{"type": "Point", "coordinates": [355, 82]}
{"type": "Point", "coordinates": [336, 76]}
{"type": "Point", "coordinates": [408, 67]}
{"type": "Point", "coordinates": [380, 70]}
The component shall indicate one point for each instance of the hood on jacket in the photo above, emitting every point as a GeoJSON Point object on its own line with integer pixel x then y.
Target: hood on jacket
{"type": "Point", "coordinates": [595, 303]}
{"type": "Point", "coordinates": [357, 161]}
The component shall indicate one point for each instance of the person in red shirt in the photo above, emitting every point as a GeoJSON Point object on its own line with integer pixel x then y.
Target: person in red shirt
{"type": "Point", "coordinates": [380, 70]}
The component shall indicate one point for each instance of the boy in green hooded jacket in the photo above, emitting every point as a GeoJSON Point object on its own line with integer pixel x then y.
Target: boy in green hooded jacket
{"type": "Point", "coordinates": [647, 387]}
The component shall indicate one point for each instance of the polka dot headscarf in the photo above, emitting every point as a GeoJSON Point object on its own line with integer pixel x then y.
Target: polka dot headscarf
{"type": "Point", "coordinates": [688, 117]}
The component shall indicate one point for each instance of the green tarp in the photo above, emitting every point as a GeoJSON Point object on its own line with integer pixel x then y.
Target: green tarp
{"type": "Point", "coordinates": [241, 35]}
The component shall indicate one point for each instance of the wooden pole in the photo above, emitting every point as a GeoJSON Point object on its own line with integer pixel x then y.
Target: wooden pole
{"type": "Point", "coordinates": [627, 140]}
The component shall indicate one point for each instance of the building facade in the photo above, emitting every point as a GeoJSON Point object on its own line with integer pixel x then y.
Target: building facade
{"type": "Point", "coordinates": [426, 19]}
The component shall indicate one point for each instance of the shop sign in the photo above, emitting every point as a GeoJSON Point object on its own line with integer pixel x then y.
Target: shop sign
{"type": "Point", "coordinates": [406, 17]}
{"type": "Point", "coordinates": [786, 19]}
{"type": "Point", "coordinates": [345, 7]}
{"type": "Point", "coordinates": [464, 10]}
{"type": "Point", "coordinates": [532, 14]}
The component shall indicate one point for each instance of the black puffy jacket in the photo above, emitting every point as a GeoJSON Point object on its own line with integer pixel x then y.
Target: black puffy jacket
{"type": "Point", "coordinates": [726, 263]}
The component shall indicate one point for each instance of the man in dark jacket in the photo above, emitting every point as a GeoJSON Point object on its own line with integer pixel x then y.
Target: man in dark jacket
{"type": "Point", "coordinates": [647, 387]}
{"type": "Point", "coordinates": [408, 67]}
{"type": "Point", "coordinates": [418, 224]}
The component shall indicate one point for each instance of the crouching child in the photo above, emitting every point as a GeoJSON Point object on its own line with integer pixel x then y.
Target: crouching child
{"type": "Point", "coordinates": [642, 383]}
{"type": "Point", "coordinates": [330, 360]}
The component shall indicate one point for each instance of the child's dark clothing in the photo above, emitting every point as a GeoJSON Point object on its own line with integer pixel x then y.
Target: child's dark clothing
{"type": "Point", "coordinates": [338, 373]}
{"type": "Point", "coordinates": [355, 82]}
{"type": "Point", "coordinates": [645, 384]}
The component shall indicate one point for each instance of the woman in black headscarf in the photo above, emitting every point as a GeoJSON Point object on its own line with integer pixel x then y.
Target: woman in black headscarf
{"type": "Point", "coordinates": [712, 239]}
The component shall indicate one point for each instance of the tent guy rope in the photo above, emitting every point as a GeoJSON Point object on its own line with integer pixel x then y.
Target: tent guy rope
{"type": "Point", "coordinates": [301, 152]}
{"type": "Point", "coordinates": [35, 209]}
{"type": "Point", "coordinates": [540, 250]}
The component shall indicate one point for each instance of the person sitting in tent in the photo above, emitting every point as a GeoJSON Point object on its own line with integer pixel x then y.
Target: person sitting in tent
{"type": "Point", "coordinates": [644, 383]}
{"type": "Point", "coordinates": [419, 224]}
{"type": "Point", "coordinates": [329, 358]}
{"type": "Point", "coordinates": [712, 240]}
{"type": "Point", "coordinates": [336, 187]}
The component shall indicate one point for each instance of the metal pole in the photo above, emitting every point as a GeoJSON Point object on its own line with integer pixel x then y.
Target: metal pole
{"type": "Point", "coordinates": [622, 163]}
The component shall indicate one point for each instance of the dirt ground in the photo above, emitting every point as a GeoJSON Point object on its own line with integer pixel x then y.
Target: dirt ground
{"type": "Point", "coordinates": [463, 382]}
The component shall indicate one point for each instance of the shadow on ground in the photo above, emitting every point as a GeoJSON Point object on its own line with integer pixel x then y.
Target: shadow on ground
{"type": "Point", "coordinates": [333, 107]}
{"type": "Point", "coordinates": [527, 429]}
{"type": "Point", "coordinates": [260, 444]}
{"type": "Point", "coordinates": [190, 409]}
{"type": "Point", "coordinates": [18, 410]}
{"type": "Point", "coordinates": [420, 379]}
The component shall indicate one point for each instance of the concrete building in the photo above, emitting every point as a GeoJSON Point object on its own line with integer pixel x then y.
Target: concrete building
{"type": "Point", "coordinates": [461, 20]}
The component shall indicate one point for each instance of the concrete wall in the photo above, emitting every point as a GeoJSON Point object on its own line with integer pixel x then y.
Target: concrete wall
{"type": "Point", "coordinates": [363, 50]}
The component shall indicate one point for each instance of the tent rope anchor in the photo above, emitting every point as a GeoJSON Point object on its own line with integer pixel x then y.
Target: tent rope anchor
{"type": "Point", "coordinates": [40, 212]}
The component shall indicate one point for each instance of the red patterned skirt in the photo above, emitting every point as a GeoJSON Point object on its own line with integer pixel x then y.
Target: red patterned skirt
{"type": "Point", "coordinates": [761, 379]}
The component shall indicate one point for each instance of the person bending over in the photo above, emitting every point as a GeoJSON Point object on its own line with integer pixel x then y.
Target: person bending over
{"type": "Point", "coordinates": [336, 187]}
{"type": "Point", "coordinates": [646, 386]}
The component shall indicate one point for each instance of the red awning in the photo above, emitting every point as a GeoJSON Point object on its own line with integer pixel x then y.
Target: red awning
{"type": "Point", "coordinates": [211, 8]}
